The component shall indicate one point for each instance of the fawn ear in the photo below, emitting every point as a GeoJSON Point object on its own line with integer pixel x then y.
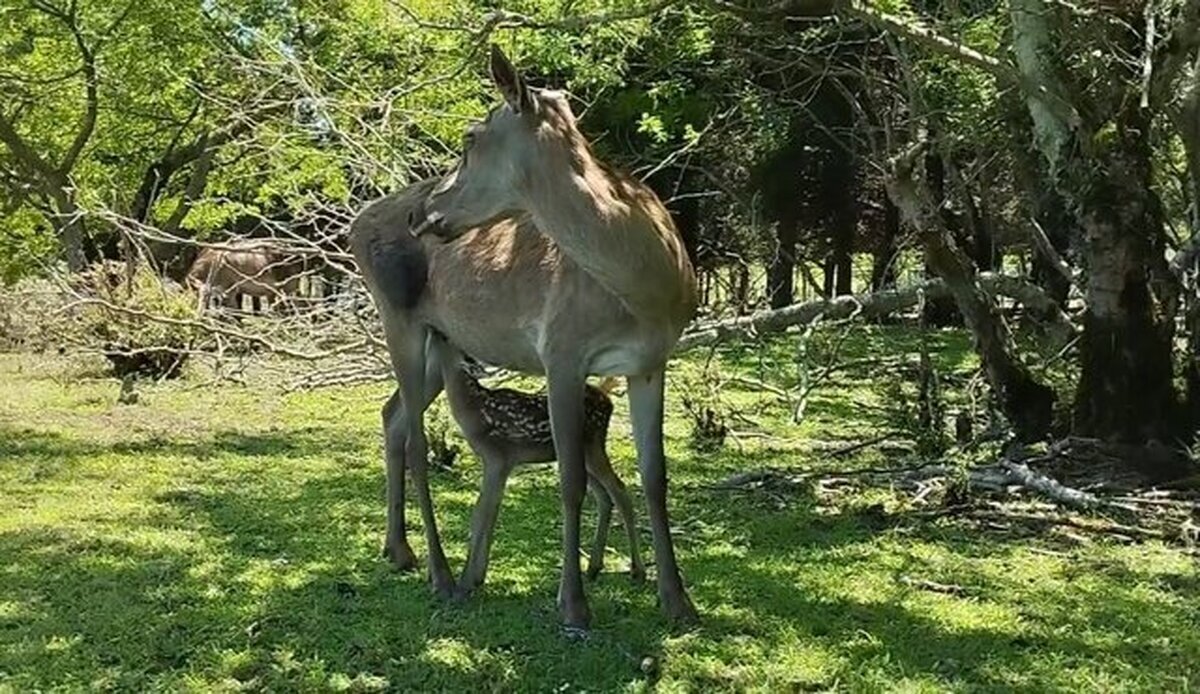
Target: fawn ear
{"type": "Point", "coordinates": [509, 82]}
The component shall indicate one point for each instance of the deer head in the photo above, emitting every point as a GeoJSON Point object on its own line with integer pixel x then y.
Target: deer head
{"type": "Point", "coordinates": [501, 155]}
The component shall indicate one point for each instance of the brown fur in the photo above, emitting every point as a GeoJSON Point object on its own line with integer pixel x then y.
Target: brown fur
{"type": "Point", "coordinates": [226, 274]}
{"type": "Point", "coordinates": [565, 267]}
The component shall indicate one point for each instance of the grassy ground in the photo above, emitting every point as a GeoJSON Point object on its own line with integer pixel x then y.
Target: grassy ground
{"type": "Point", "coordinates": [222, 538]}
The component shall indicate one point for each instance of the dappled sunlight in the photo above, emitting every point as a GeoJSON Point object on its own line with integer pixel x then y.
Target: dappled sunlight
{"type": "Point", "coordinates": [250, 556]}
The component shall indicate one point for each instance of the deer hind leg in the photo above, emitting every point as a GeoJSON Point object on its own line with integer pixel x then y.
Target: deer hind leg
{"type": "Point", "coordinates": [646, 413]}
{"type": "Point", "coordinates": [566, 389]}
{"type": "Point", "coordinates": [395, 546]}
{"type": "Point", "coordinates": [614, 491]}
{"type": "Point", "coordinates": [496, 469]}
{"type": "Point", "coordinates": [419, 385]}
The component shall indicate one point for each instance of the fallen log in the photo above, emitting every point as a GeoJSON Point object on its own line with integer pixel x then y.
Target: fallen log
{"type": "Point", "coordinates": [872, 305]}
{"type": "Point", "coordinates": [1048, 486]}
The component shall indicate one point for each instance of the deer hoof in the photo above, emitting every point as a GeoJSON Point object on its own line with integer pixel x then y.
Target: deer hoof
{"type": "Point", "coordinates": [400, 555]}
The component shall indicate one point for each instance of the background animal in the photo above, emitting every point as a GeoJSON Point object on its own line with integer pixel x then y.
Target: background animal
{"type": "Point", "coordinates": [225, 275]}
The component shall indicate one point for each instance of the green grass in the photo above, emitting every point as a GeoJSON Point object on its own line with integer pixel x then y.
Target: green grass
{"type": "Point", "coordinates": [226, 538]}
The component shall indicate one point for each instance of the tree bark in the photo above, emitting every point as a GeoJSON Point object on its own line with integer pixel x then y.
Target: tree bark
{"type": "Point", "coordinates": [782, 270]}
{"type": "Point", "coordinates": [941, 311]}
{"type": "Point", "coordinates": [1125, 391]}
{"type": "Point", "coordinates": [883, 269]}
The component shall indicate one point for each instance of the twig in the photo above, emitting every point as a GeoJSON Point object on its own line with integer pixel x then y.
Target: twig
{"type": "Point", "coordinates": [846, 450]}
{"type": "Point", "coordinates": [933, 586]}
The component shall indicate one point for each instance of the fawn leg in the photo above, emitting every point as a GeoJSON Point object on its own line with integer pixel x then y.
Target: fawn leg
{"type": "Point", "coordinates": [615, 489]}
{"type": "Point", "coordinates": [604, 506]}
{"type": "Point", "coordinates": [496, 469]}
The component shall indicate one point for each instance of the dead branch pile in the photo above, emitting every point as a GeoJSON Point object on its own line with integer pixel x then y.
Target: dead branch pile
{"type": "Point", "coordinates": [1015, 493]}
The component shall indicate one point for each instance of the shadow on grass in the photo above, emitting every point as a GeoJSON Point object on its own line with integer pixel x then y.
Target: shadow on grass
{"type": "Point", "coordinates": [275, 582]}
{"type": "Point", "coordinates": [51, 452]}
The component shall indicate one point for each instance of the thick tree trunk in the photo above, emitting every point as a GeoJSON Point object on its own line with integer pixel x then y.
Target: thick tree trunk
{"type": "Point", "coordinates": [1125, 388]}
{"type": "Point", "coordinates": [1125, 392]}
{"type": "Point", "coordinates": [1187, 121]}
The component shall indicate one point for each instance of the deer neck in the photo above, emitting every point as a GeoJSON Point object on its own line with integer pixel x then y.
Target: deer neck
{"type": "Point", "coordinates": [616, 230]}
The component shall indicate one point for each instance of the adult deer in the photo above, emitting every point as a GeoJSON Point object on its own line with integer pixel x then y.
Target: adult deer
{"type": "Point", "coordinates": [227, 274]}
{"type": "Point", "coordinates": [554, 263]}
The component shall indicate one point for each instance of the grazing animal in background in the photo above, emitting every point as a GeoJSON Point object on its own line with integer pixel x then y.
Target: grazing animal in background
{"type": "Point", "coordinates": [507, 428]}
{"type": "Point", "coordinates": [225, 275]}
{"type": "Point", "coordinates": [536, 256]}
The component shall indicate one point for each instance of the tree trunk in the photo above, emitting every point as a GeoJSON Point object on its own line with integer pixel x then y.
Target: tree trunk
{"type": "Point", "coordinates": [1187, 121]}
{"type": "Point", "coordinates": [1125, 389]}
{"type": "Point", "coordinates": [941, 312]}
{"type": "Point", "coordinates": [883, 268]}
{"type": "Point", "coordinates": [1052, 215]}
{"type": "Point", "coordinates": [840, 181]}
{"type": "Point", "coordinates": [782, 270]}
{"type": "Point", "coordinates": [842, 258]}
{"type": "Point", "coordinates": [68, 223]}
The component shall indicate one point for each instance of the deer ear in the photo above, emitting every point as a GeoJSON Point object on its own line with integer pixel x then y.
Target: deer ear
{"type": "Point", "coordinates": [509, 82]}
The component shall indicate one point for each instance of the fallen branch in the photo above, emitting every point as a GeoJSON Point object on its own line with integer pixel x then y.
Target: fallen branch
{"type": "Point", "coordinates": [866, 306]}
{"type": "Point", "coordinates": [1049, 487]}
{"type": "Point", "coordinates": [1096, 526]}
{"type": "Point", "coordinates": [846, 450]}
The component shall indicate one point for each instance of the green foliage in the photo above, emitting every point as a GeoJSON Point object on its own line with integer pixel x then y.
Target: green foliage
{"type": "Point", "coordinates": [139, 323]}
{"type": "Point", "coordinates": [26, 248]}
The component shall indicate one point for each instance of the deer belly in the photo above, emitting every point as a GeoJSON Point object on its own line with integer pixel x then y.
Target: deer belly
{"type": "Point", "coordinates": [510, 349]}
{"type": "Point", "coordinates": [628, 359]}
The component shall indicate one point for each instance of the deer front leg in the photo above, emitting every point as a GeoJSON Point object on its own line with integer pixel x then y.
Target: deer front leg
{"type": "Point", "coordinates": [566, 424]}
{"type": "Point", "coordinates": [646, 412]}
{"type": "Point", "coordinates": [483, 520]}
{"type": "Point", "coordinates": [604, 506]}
